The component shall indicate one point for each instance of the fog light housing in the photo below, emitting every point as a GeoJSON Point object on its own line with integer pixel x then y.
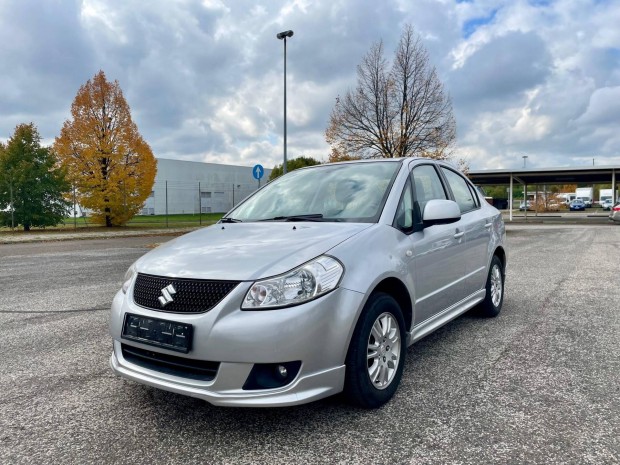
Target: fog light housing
{"type": "Point", "coordinates": [271, 375]}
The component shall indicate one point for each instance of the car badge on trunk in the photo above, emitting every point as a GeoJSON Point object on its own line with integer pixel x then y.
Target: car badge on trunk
{"type": "Point", "coordinates": [166, 295]}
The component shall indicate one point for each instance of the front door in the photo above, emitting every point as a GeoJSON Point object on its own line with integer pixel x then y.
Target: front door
{"type": "Point", "coordinates": [438, 265]}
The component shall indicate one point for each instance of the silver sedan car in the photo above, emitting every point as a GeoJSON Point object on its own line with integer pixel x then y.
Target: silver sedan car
{"type": "Point", "coordinates": [614, 213]}
{"type": "Point", "coordinates": [314, 285]}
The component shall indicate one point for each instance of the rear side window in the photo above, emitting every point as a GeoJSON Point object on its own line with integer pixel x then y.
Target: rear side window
{"type": "Point", "coordinates": [463, 193]}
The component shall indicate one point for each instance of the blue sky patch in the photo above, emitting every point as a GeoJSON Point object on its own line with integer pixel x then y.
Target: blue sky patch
{"type": "Point", "coordinates": [613, 53]}
{"type": "Point", "coordinates": [540, 2]}
{"type": "Point", "coordinates": [473, 24]}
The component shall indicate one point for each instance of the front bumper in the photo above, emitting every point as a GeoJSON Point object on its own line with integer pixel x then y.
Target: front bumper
{"type": "Point", "coordinates": [316, 333]}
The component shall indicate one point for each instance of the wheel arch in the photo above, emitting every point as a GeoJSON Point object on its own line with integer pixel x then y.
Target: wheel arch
{"type": "Point", "coordinates": [395, 288]}
{"type": "Point", "coordinates": [501, 254]}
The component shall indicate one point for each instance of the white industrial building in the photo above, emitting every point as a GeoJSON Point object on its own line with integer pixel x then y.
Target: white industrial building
{"type": "Point", "coordinates": [195, 187]}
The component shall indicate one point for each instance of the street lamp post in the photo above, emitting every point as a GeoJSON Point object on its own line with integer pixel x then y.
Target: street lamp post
{"type": "Point", "coordinates": [283, 36]}
{"type": "Point", "coordinates": [524, 161]}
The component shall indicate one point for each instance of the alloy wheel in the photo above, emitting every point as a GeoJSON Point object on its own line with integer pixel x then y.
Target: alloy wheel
{"type": "Point", "coordinates": [496, 285]}
{"type": "Point", "coordinates": [384, 350]}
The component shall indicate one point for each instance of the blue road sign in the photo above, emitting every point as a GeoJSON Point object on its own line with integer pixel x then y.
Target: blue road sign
{"type": "Point", "coordinates": [258, 171]}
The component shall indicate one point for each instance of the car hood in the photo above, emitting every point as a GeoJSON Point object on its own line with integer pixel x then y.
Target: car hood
{"type": "Point", "coordinates": [245, 251]}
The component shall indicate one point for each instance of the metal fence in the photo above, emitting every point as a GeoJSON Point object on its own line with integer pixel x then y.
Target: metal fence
{"type": "Point", "coordinates": [175, 202]}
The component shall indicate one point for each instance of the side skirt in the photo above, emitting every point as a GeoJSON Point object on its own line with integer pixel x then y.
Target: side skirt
{"type": "Point", "coordinates": [426, 327]}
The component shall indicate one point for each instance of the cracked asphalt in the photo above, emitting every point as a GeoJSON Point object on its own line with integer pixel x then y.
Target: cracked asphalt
{"type": "Point", "coordinates": [538, 384]}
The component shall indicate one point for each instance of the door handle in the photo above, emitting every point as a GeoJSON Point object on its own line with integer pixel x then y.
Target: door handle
{"type": "Point", "coordinates": [488, 225]}
{"type": "Point", "coordinates": [459, 235]}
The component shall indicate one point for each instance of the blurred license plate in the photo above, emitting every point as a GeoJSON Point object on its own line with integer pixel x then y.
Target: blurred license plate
{"type": "Point", "coordinates": [156, 332]}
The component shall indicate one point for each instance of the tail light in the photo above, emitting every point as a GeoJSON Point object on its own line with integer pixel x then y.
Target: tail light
{"type": "Point", "coordinates": [617, 208]}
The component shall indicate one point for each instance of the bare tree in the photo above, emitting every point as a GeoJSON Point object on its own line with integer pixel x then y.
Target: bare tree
{"type": "Point", "coordinates": [395, 111]}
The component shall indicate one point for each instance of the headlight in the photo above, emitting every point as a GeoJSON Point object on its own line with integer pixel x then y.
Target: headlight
{"type": "Point", "coordinates": [297, 286]}
{"type": "Point", "coordinates": [131, 272]}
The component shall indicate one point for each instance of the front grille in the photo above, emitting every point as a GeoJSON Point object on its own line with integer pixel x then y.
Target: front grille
{"type": "Point", "coordinates": [192, 295]}
{"type": "Point", "coordinates": [200, 370]}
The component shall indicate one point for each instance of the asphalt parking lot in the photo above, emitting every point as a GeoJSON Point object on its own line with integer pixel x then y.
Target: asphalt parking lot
{"type": "Point", "coordinates": [538, 384]}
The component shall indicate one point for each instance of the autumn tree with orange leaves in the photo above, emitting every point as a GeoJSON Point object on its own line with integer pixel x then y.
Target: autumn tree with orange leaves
{"type": "Point", "coordinates": [398, 109]}
{"type": "Point", "coordinates": [108, 162]}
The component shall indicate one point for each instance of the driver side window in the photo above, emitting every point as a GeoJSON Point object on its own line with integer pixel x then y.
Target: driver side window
{"type": "Point", "coordinates": [404, 212]}
{"type": "Point", "coordinates": [427, 186]}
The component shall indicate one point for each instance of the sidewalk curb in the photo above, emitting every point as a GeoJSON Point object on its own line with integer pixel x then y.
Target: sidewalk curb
{"type": "Point", "coordinates": [53, 236]}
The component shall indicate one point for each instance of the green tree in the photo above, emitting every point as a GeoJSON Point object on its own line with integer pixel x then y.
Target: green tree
{"type": "Point", "coordinates": [497, 192]}
{"type": "Point", "coordinates": [107, 160]}
{"type": "Point", "coordinates": [31, 184]}
{"type": "Point", "coordinates": [291, 165]}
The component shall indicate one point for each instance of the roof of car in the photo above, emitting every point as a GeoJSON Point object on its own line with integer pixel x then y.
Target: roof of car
{"type": "Point", "coordinates": [399, 160]}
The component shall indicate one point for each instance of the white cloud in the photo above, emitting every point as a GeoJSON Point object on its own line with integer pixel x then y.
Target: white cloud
{"type": "Point", "coordinates": [604, 106]}
{"type": "Point", "coordinates": [204, 77]}
{"type": "Point", "coordinates": [96, 15]}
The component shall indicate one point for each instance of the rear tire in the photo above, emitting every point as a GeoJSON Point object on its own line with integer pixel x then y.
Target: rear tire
{"type": "Point", "coordinates": [375, 359]}
{"type": "Point", "coordinates": [492, 303]}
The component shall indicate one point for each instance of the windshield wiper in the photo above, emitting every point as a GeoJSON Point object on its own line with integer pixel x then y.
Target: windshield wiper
{"type": "Point", "coordinates": [309, 217]}
{"type": "Point", "coordinates": [228, 219]}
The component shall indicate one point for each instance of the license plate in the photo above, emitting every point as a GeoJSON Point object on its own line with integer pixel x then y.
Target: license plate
{"type": "Point", "coordinates": [156, 332]}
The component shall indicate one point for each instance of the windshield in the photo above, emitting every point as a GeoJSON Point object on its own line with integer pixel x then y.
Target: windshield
{"type": "Point", "coordinates": [346, 192]}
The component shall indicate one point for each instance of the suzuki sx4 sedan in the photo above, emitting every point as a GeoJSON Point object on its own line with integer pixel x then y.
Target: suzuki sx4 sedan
{"type": "Point", "coordinates": [314, 285]}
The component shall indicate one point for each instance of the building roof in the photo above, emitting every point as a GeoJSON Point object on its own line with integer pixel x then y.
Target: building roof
{"type": "Point", "coordinates": [540, 176]}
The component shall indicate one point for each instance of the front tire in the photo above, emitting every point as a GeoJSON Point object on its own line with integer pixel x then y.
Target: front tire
{"type": "Point", "coordinates": [492, 303]}
{"type": "Point", "coordinates": [375, 359]}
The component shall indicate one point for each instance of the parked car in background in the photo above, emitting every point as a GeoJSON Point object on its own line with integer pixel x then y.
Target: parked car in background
{"type": "Point", "coordinates": [586, 194]}
{"type": "Point", "coordinates": [315, 284]}
{"type": "Point", "coordinates": [526, 206]}
{"type": "Point", "coordinates": [607, 204]}
{"type": "Point", "coordinates": [577, 204]}
{"type": "Point", "coordinates": [606, 194]}
{"type": "Point", "coordinates": [614, 214]}
{"type": "Point", "coordinates": [566, 198]}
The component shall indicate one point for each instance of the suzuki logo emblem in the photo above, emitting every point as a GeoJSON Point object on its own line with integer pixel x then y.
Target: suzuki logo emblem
{"type": "Point", "coordinates": [166, 295]}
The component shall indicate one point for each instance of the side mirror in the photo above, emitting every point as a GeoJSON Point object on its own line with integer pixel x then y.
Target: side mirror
{"type": "Point", "coordinates": [441, 212]}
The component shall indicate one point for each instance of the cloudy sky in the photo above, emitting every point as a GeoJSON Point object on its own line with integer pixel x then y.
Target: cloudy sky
{"type": "Point", "coordinates": [204, 78]}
